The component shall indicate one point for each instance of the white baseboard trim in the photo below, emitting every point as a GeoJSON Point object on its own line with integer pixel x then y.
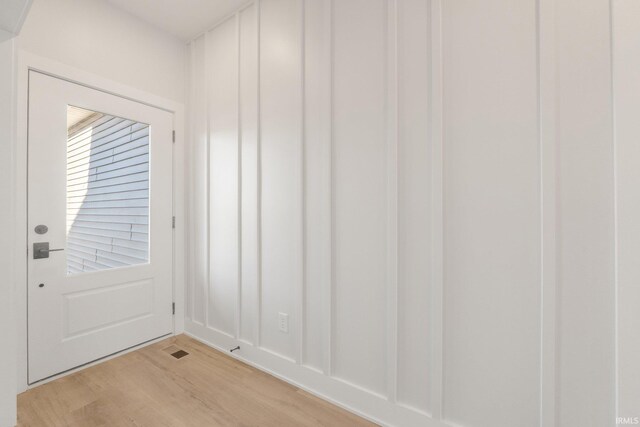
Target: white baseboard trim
{"type": "Point", "coordinates": [370, 406]}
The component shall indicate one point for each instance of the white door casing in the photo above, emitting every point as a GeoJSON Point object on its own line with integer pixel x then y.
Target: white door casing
{"type": "Point", "coordinates": [74, 319]}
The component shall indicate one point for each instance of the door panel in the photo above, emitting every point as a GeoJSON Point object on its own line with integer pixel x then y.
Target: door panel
{"type": "Point", "coordinates": [100, 181]}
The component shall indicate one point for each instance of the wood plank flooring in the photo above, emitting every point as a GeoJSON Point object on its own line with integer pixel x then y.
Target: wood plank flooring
{"type": "Point", "coordinates": [149, 387]}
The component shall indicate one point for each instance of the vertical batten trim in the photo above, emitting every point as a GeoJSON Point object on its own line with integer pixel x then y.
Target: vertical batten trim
{"type": "Point", "coordinates": [208, 163]}
{"type": "Point", "coordinates": [258, 318]}
{"type": "Point", "coordinates": [329, 298]}
{"type": "Point", "coordinates": [302, 291]}
{"type": "Point", "coordinates": [616, 229]}
{"type": "Point", "coordinates": [191, 185]}
{"type": "Point", "coordinates": [225, 18]}
{"type": "Point", "coordinates": [329, 222]}
{"type": "Point", "coordinates": [239, 138]}
{"type": "Point", "coordinates": [436, 107]}
{"type": "Point", "coordinates": [548, 208]}
{"type": "Point", "coordinates": [391, 107]}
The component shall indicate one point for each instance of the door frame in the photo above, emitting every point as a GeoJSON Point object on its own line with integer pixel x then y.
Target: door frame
{"type": "Point", "coordinates": [29, 62]}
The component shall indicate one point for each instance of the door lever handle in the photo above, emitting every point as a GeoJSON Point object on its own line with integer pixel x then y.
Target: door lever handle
{"type": "Point", "coordinates": [49, 250]}
{"type": "Point", "coordinates": [41, 250]}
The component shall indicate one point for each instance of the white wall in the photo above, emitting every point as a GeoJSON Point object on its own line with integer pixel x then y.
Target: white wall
{"type": "Point", "coordinates": [328, 206]}
{"type": "Point", "coordinates": [585, 186]}
{"type": "Point", "coordinates": [626, 91]}
{"type": "Point", "coordinates": [440, 195]}
{"type": "Point", "coordinates": [131, 52]}
{"type": "Point", "coordinates": [7, 288]}
{"type": "Point", "coordinates": [491, 213]}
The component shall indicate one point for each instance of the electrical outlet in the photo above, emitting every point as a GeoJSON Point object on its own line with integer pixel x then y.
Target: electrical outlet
{"type": "Point", "coordinates": [283, 322]}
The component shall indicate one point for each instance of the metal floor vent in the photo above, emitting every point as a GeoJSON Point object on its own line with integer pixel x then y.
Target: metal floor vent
{"type": "Point", "coordinates": [180, 354]}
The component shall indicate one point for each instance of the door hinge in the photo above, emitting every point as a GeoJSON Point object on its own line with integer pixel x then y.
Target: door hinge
{"type": "Point", "coordinates": [173, 308]}
{"type": "Point", "coordinates": [173, 222]}
{"type": "Point", "coordinates": [173, 136]}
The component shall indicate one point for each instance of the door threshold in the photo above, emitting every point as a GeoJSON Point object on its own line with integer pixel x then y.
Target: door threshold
{"type": "Point", "coordinates": [97, 361]}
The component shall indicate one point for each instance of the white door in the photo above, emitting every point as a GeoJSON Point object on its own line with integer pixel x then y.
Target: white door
{"type": "Point", "coordinates": [99, 225]}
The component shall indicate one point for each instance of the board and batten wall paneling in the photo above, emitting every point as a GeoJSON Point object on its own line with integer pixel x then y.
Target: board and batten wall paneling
{"type": "Point", "coordinates": [417, 184]}
{"type": "Point", "coordinates": [222, 57]}
{"type": "Point", "coordinates": [360, 193]}
{"type": "Point", "coordinates": [317, 191]}
{"type": "Point", "coordinates": [249, 166]}
{"type": "Point", "coordinates": [414, 203]}
{"type": "Point", "coordinates": [626, 92]}
{"type": "Point", "coordinates": [492, 264]}
{"type": "Point", "coordinates": [316, 194]}
{"type": "Point", "coordinates": [281, 150]}
{"type": "Point", "coordinates": [586, 298]}
{"type": "Point", "coordinates": [199, 178]}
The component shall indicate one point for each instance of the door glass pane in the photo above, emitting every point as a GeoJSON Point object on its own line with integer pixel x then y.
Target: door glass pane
{"type": "Point", "coordinates": [107, 191]}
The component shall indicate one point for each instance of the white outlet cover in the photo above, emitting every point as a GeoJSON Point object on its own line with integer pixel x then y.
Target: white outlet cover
{"type": "Point", "coordinates": [283, 322]}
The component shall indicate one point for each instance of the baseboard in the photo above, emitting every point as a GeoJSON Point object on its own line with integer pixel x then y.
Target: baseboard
{"type": "Point", "coordinates": [370, 406]}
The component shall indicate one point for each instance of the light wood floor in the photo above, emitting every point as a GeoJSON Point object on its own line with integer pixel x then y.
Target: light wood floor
{"type": "Point", "coordinates": [149, 387]}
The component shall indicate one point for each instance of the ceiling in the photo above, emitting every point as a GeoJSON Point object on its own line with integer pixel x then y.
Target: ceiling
{"type": "Point", "coordinates": [12, 14]}
{"type": "Point", "coordinates": [181, 18]}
